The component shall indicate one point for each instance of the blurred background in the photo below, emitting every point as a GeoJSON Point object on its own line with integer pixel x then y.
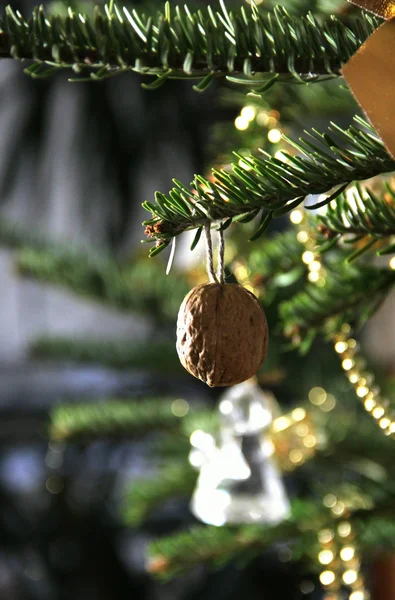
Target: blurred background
{"type": "Point", "coordinates": [76, 162]}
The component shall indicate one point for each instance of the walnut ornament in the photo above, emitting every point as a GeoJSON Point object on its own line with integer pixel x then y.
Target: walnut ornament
{"type": "Point", "coordinates": [222, 334]}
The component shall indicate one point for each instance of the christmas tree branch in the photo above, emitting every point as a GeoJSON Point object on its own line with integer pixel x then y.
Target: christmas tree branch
{"type": "Point", "coordinates": [112, 417]}
{"type": "Point", "coordinates": [128, 417]}
{"type": "Point", "coordinates": [217, 546]}
{"type": "Point", "coordinates": [153, 356]}
{"type": "Point", "coordinates": [146, 495]}
{"type": "Point", "coordinates": [179, 43]}
{"type": "Point", "coordinates": [139, 286]}
{"type": "Point", "coordinates": [349, 296]}
{"type": "Point", "coordinates": [270, 186]}
{"type": "Point", "coordinates": [275, 263]}
{"type": "Point", "coordinates": [128, 287]}
{"type": "Point", "coordinates": [360, 216]}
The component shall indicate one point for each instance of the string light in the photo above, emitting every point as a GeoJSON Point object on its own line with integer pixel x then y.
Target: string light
{"type": "Point", "coordinates": [350, 576]}
{"type": "Point", "coordinates": [248, 113]}
{"type": "Point", "coordinates": [347, 553]}
{"type": "Point", "coordinates": [345, 345]}
{"type": "Point", "coordinates": [325, 557]}
{"type": "Point", "coordinates": [241, 123]}
{"type": "Point", "coordinates": [274, 136]}
{"type": "Point", "coordinates": [363, 381]}
{"type": "Point", "coordinates": [296, 217]}
{"type": "Point", "coordinates": [327, 577]}
{"type": "Point", "coordinates": [335, 548]}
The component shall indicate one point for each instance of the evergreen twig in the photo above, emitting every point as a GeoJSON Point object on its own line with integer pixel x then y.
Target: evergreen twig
{"type": "Point", "coordinates": [270, 186]}
{"type": "Point", "coordinates": [153, 356]}
{"type": "Point", "coordinates": [362, 217]}
{"type": "Point", "coordinates": [145, 495]}
{"type": "Point", "coordinates": [349, 295]}
{"type": "Point", "coordinates": [126, 417]}
{"type": "Point", "coordinates": [178, 43]}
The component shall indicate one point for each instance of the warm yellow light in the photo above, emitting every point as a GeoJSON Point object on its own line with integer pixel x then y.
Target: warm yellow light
{"type": "Point", "coordinates": [262, 118]}
{"type": "Point", "coordinates": [347, 553]}
{"type": "Point", "coordinates": [327, 577]}
{"type": "Point", "coordinates": [274, 136]}
{"type": "Point", "coordinates": [344, 529]}
{"type": "Point", "coordinates": [325, 536]}
{"type": "Point", "coordinates": [384, 423]}
{"type": "Point", "coordinates": [313, 276]}
{"type": "Point", "coordinates": [369, 404]}
{"type": "Point", "coordinates": [241, 272]}
{"type": "Point", "coordinates": [296, 217]}
{"type": "Point", "coordinates": [357, 595]}
{"type": "Point", "coordinates": [338, 509]}
{"type": "Point", "coordinates": [298, 414]}
{"type": "Point", "coordinates": [248, 113]}
{"type": "Point", "coordinates": [392, 263]}
{"type": "Point", "coordinates": [317, 395]}
{"type": "Point", "coordinates": [329, 403]}
{"type": "Point", "coordinates": [352, 343]}
{"type": "Point", "coordinates": [330, 500]}
{"type": "Point", "coordinates": [362, 391]}
{"type": "Point", "coordinates": [241, 123]}
{"type": "Point", "coordinates": [353, 377]}
{"type": "Point", "coordinates": [341, 347]}
{"type": "Point", "coordinates": [378, 412]}
{"type": "Point", "coordinates": [315, 265]}
{"type": "Point", "coordinates": [350, 576]}
{"type": "Point", "coordinates": [308, 257]}
{"type": "Point", "coordinates": [302, 429]}
{"type": "Point", "coordinates": [309, 441]}
{"type": "Point", "coordinates": [325, 557]}
{"type": "Point", "coordinates": [302, 237]}
{"type": "Point", "coordinates": [295, 456]}
{"type": "Point", "coordinates": [347, 364]}
{"type": "Point", "coordinates": [180, 408]}
{"type": "Point", "coordinates": [392, 427]}
{"type": "Point", "coordinates": [281, 423]}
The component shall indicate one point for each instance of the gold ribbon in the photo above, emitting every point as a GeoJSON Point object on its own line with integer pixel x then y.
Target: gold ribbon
{"type": "Point", "coordinates": [381, 8]}
{"type": "Point", "coordinates": [370, 72]}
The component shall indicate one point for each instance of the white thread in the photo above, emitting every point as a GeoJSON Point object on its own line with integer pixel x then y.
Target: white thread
{"type": "Point", "coordinates": [209, 255]}
{"type": "Point", "coordinates": [221, 257]}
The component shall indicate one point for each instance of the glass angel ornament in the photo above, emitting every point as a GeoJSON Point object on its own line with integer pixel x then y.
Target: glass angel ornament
{"type": "Point", "coordinates": [239, 481]}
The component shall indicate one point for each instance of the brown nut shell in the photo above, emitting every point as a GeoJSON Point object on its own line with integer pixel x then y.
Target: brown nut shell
{"type": "Point", "coordinates": [222, 334]}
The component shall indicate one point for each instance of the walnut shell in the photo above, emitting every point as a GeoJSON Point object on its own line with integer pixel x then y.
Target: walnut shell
{"type": "Point", "coordinates": [222, 334]}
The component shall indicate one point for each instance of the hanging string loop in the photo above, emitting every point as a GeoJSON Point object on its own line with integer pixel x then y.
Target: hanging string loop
{"type": "Point", "coordinates": [218, 277]}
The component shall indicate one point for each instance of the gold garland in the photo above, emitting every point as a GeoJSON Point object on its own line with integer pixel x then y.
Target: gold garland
{"type": "Point", "coordinates": [339, 557]}
{"type": "Point", "coordinates": [345, 345]}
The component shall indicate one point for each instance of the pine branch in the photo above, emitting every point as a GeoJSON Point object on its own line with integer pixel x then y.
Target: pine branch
{"type": "Point", "coordinates": [138, 287]}
{"type": "Point", "coordinates": [141, 286]}
{"type": "Point", "coordinates": [362, 217]}
{"type": "Point", "coordinates": [145, 495]}
{"type": "Point", "coordinates": [181, 44]}
{"type": "Point", "coordinates": [127, 418]}
{"type": "Point", "coordinates": [270, 186]}
{"type": "Point", "coordinates": [216, 546]}
{"type": "Point", "coordinates": [276, 262]}
{"type": "Point", "coordinates": [112, 417]}
{"type": "Point", "coordinates": [349, 295]}
{"type": "Point", "coordinates": [152, 356]}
